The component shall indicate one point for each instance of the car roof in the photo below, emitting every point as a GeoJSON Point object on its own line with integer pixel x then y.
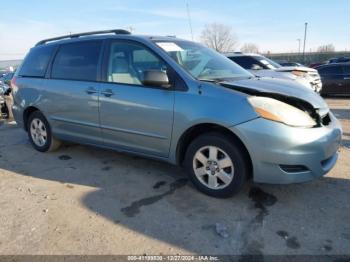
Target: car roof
{"type": "Point", "coordinates": [333, 64]}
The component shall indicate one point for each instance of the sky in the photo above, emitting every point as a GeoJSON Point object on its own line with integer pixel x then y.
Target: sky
{"type": "Point", "coordinates": [273, 25]}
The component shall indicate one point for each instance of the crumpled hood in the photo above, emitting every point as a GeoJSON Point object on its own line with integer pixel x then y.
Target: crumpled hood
{"type": "Point", "coordinates": [286, 88]}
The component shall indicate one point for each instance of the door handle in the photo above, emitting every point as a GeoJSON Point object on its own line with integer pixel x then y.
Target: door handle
{"type": "Point", "coordinates": [346, 78]}
{"type": "Point", "coordinates": [107, 92]}
{"type": "Point", "coordinates": [91, 91]}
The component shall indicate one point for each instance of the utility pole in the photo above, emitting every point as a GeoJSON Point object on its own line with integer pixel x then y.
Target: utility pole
{"type": "Point", "coordinates": [299, 45]}
{"type": "Point", "coordinates": [189, 19]}
{"type": "Point", "coordinates": [304, 41]}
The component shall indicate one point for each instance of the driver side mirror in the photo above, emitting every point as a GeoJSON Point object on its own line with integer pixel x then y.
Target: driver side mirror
{"type": "Point", "coordinates": [155, 78]}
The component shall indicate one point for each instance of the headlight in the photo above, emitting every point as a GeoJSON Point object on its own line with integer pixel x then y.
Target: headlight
{"type": "Point", "coordinates": [278, 111]}
{"type": "Point", "coordinates": [299, 73]}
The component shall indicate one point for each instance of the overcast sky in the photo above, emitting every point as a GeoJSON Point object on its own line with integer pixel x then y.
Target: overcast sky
{"type": "Point", "coordinates": [273, 25]}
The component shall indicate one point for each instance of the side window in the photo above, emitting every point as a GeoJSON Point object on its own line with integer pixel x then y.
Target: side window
{"type": "Point", "coordinates": [77, 61]}
{"type": "Point", "coordinates": [128, 62]}
{"type": "Point", "coordinates": [35, 64]}
{"type": "Point", "coordinates": [246, 62]}
{"type": "Point", "coordinates": [330, 70]}
{"type": "Point", "coordinates": [346, 69]}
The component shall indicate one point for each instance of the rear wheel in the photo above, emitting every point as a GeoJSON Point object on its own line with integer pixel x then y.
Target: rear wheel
{"type": "Point", "coordinates": [40, 135]}
{"type": "Point", "coordinates": [216, 165]}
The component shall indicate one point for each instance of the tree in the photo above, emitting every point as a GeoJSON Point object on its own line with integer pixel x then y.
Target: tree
{"type": "Point", "coordinates": [250, 48]}
{"type": "Point", "coordinates": [326, 48]}
{"type": "Point", "coordinates": [219, 37]}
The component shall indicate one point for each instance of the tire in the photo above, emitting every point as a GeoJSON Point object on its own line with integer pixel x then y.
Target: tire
{"type": "Point", "coordinates": [216, 178]}
{"type": "Point", "coordinates": [38, 127]}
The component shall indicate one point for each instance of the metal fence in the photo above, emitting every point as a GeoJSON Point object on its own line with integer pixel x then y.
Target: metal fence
{"type": "Point", "coordinates": [309, 58]}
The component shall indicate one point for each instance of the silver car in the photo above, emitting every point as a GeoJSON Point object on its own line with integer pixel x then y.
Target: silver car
{"type": "Point", "coordinates": [264, 67]}
{"type": "Point", "coordinates": [175, 101]}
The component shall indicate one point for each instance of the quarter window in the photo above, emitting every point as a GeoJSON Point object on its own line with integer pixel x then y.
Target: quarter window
{"type": "Point", "coordinates": [77, 61]}
{"type": "Point", "coordinates": [36, 62]}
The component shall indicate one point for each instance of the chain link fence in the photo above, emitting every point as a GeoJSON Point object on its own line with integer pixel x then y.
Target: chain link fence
{"type": "Point", "coordinates": [309, 58]}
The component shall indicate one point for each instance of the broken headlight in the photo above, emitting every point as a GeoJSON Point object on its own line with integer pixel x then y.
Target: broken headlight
{"type": "Point", "coordinates": [278, 111]}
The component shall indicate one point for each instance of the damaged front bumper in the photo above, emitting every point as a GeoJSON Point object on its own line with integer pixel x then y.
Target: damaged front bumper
{"type": "Point", "coordinates": [283, 154]}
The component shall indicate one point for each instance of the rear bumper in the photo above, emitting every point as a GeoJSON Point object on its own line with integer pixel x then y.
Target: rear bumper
{"type": "Point", "coordinates": [17, 112]}
{"type": "Point", "coordinates": [282, 154]}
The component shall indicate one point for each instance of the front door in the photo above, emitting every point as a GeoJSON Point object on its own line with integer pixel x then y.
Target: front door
{"type": "Point", "coordinates": [135, 117]}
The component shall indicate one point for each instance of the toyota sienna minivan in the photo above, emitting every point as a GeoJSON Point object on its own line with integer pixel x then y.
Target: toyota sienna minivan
{"type": "Point", "coordinates": [177, 101]}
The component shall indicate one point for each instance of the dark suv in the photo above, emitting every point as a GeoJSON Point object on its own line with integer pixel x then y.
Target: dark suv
{"type": "Point", "coordinates": [335, 78]}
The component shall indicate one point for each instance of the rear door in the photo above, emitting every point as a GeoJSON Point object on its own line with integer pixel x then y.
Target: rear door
{"type": "Point", "coordinates": [72, 93]}
{"type": "Point", "coordinates": [346, 79]}
{"type": "Point", "coordinates": [332, 78]}
{"type": "Point", "coordinates": [135, 117]}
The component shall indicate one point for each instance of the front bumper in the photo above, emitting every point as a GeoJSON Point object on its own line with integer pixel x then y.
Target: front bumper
{"type": "Point", "coordinates": [273, 146]}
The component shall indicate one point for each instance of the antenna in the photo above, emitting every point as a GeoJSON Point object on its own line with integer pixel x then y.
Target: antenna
{"type": "Point", "coordinates": [189, 19]}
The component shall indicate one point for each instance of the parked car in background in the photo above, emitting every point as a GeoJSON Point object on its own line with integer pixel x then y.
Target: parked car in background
{"type": "Point", "coordinates": [264, 67]}
{"type": "Point", "coordinates": [176, 101]}
{"type": "Point", "coordinates": [339, 60]}
{"type": "Point", "coordinates": [3, 107]}
{"type": "Point", "coordinates": [3, 72]}
{"type": "Point", "coordinates": [335, 78]}
{"type": "Point", "coordinates": [5, 95]}
{"type": "Point", "coordinates": [291, 64]}
{"type": "Point", "coordinates": [314, 65]}
{"type": "Point", "coordinates": [6, 79]}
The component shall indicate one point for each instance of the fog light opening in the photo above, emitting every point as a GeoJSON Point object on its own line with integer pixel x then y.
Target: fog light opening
{"type": "Point", "coordinates": [294, 168]}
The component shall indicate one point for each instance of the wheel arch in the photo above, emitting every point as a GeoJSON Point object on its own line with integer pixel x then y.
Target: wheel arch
{"type": "Point", "coordinates": [26, 113]}
{"type": "Point", "coordinates": [191, 133]}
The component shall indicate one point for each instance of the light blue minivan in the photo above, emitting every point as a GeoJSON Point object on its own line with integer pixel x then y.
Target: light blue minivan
{"type": "Point", "coordinates": [177, 101]}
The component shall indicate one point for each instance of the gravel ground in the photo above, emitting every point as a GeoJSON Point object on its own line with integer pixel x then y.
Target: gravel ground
{"type": "Point", "coordinates": [83, 200]}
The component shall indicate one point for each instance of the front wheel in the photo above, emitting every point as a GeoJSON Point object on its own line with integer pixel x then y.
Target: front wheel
{"type": "Point", "coordinates": [216, 165]}
{"type": "Point", "coordinates": [40, 135]}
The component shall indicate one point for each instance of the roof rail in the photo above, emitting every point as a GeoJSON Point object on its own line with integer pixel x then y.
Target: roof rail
{"type": "Point", "coordinates": [114, 31]}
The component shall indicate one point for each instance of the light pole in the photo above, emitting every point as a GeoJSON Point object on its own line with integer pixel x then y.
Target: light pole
{"type": "Point", "coordinates": [299, 45]}
{"type": "Point", "coordinates": [304, 41]}
{"type": "Point", "coordinates": [189, 19]}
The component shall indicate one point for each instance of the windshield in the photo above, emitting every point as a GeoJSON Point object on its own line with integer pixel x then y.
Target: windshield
{"type": "Point", "coordinates": [270, 64]}
{"type": "Point", "coordinates": [201, 62]}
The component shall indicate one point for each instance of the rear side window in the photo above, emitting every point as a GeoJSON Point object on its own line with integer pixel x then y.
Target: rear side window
{"type": "Point", "coordinates": [36, 62]}
{"type": "Point", "coordinates": [77, 61]}
{"type": "Point", "coordinates": [330, 70]}
{"type": "Point", "coordinates": [346, 69]}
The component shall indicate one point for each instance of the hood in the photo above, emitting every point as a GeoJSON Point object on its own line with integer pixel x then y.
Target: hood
{"type": "Point", "coordinates": [273, 73]}
{"type": "Point", "coordinates": [295, 68]}
{"type": "Point", "coordinates": [280, 89]}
